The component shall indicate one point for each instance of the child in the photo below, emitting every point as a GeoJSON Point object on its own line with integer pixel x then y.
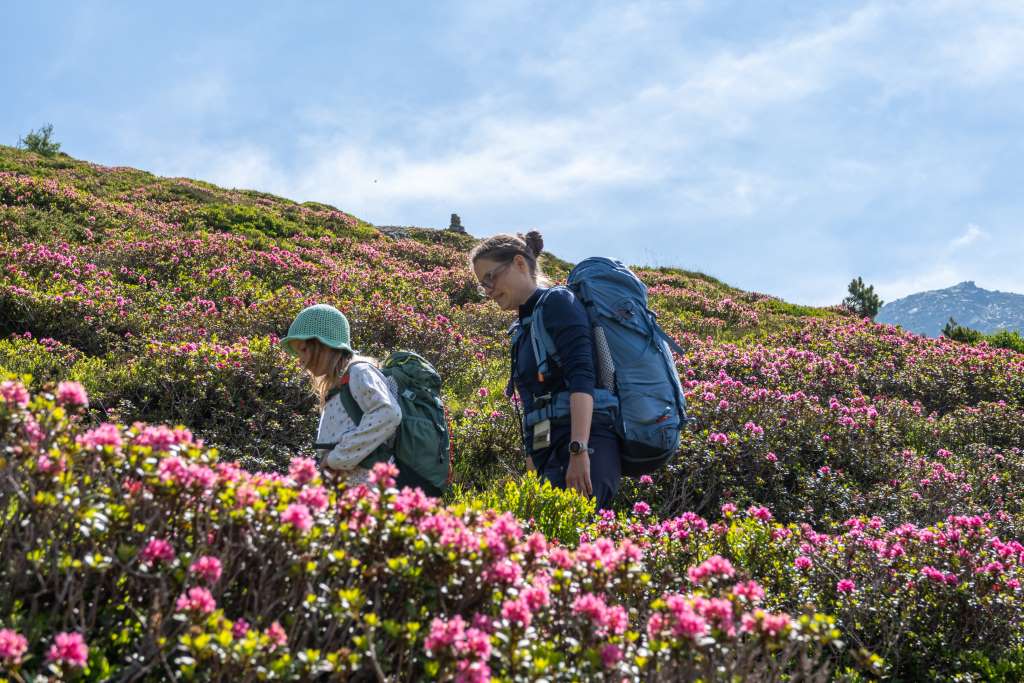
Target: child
{"type": "Point", "coordinates": [319, 338]}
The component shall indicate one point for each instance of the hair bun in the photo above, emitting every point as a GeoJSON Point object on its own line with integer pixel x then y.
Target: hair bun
{"type": "Point", "coordinates": [535, 241]}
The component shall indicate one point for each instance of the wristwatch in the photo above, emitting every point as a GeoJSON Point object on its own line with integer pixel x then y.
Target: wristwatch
{"type": "Point", "coordinates": [579, 448]}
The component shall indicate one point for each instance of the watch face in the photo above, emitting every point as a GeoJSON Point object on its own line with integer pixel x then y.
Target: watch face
{"type": "Point", "coordinates": [575, 447]}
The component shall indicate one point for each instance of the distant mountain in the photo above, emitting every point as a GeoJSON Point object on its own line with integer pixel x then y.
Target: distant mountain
{"type": "Point", "coordinates": [981, 309]}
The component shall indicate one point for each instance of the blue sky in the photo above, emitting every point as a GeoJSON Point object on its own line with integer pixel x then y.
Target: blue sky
{"type": "Point", "coordinates": [784, 147]}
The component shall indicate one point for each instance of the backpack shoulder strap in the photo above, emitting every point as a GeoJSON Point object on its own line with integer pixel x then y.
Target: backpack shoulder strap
{"type": "Point", "coordinates": [515, 333]}
{"type": "Point", "coordinates": [543, 344]}
{"type": "Point", "coordinates": [344, 393]}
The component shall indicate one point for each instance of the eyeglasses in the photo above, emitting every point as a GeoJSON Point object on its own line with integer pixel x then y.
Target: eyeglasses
{"type": "Point", "coordinates": [487, 281]}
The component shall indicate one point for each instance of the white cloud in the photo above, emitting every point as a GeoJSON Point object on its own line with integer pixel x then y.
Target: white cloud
{"type": "Point", "coordinates": [669, 120]}
{"type": "Point", "coordinates": [939, 276]}
{"type": "Point", "coordinates": [972, 235]}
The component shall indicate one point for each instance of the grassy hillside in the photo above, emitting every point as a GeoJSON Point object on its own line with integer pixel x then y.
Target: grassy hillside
{"type": "Point", "coordinates": [861, 453]}
{"type": "Point", "coordinates": [164, 297]}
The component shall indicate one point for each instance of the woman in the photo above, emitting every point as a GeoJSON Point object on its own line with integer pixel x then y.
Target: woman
{"type": "Point", "coordinates": [580, 450]}
{"type": "Point", "coordinates": [319, 337]}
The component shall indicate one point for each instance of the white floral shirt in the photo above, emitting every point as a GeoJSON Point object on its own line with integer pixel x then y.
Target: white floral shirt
{"type": "Point", "coordinates": [375, 394]}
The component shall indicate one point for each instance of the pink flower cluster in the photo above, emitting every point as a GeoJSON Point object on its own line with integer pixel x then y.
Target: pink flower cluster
{"type": "Point", "coordinates": [197, 600]}
{"type": "Point", "coordinates": [714, 566]}
{"type": "Point", "coordinates": [157, 550]}
{"type": "Point", "coordinates": [302, 470]}
{"type": "Point", "coordinates": [939, 576]}
{"type": "Point", "coordinates": [383, 474]}
{"type": "Point", "coordinates": [69, 649]}
{"type": "Point", "coordinates": [315, 497]}
{"type": "Point", "coordinates": [603, 618]}
{"type": "Point", "coordinates": [14, 393]}
{"type": "Point", "coordinates": [12, 646]}
{"type": "Point", "coordinates": [161, 437]}
{"type": "Point", "coordinates": [187, 474]}
{"type": "Point", "coordinates": [772, 624]}
{"type": "Point", "coordinates": [470, 646]}
{"type": "Point", "coordinates": [72, 394]}
{"type": "Point", "coordinates": [207, 568]}
{"type": "Point", "coordinates": [106, 434]}
{"type": "Point", "coordinates": [297, 515]}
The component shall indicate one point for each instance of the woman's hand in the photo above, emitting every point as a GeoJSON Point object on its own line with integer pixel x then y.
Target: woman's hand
{"type": "Point", "coordinates": [578, 475]}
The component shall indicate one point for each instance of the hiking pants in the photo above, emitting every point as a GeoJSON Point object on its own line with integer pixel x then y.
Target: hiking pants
{"type": "Point", "coordinates": [552, 462]}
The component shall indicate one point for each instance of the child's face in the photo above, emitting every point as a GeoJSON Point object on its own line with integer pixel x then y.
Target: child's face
{"type": "Point", "coordinates": [304, 350]}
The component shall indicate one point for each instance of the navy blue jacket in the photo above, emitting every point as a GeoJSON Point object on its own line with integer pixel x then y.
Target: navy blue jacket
{"type": "Point", "coordinates": [566, 321]}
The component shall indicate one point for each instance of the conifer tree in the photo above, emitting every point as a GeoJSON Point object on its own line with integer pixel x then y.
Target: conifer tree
{"type": "Point", "coordinates": [862, 299]}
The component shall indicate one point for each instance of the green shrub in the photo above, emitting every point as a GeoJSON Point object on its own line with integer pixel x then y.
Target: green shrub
{"type": "Point", "coordinates": [554, 512]}
{"type": "Point", "coordinates": [1007, 339]}
{"type": "Point", "coordinates": [245, 220]}
{"type": "Point", "coordinates": [41, 141]}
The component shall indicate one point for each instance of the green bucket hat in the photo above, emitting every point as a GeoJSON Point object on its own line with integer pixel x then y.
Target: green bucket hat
{"type": "Point", "coordinates": [323, 322]}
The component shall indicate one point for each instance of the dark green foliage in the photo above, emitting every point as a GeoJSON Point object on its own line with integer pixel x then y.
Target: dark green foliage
{"type": "Point", "coordinates": [1006, 669]}
{"type": "Point", "coordinates": [1003, 339]}
{"type": "Point", "coordinates": [41, 141]}
{"type": "Point", "coordinates": [961, 333]}
{"type": "Point", "coordinates": [862, 299]}
{"type": "Point", "coordinates": [1006, 339]}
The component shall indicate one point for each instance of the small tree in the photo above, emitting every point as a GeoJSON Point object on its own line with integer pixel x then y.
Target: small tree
{"type": "Point", "coordinates": [862, 300]}
{"type": "Point", "coordinates": [40, 141]}
{"type": "Point", "coordinates": [957, 332]}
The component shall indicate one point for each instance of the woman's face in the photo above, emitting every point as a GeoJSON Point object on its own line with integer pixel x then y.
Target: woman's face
{"type": "Point", "coordinates": [507, 284]}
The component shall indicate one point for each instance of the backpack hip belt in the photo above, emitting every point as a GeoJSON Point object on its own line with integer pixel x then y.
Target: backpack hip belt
{"type": "Point", "coordinates": [558, 406]}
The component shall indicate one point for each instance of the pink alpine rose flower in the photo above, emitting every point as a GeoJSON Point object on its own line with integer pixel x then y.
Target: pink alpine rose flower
{"type": "Point", "coordinates": [278, 636]}
{"type": "Point", "coordinates": [69, 649]}
{"type": "Point", "coordinates": [517, 612]}
{"type": "Point", "coordinates": [302, 470]}
{"type": "Point", "coordinates": [611, 655]}
{"type": "Point", "coordinates": [12, 646]}
{"type": "Point", "coordinates": [157, 550]}
{"type": "Point", "coordinates": [716, 565]}
{"type": "Point", "coordinates": [72, 394]}
{"type": "Point", "coordinates": [106, 434]}
{"type": "Point", "coordinates": [196, 600]}
{"type": "Point", "coordinates": [383, 474]}
{"type": "Point", "coordinates": [297, 515]}
{"type": "Point", "coordinates": [207, 568]}
{"type": "Point", "coordinates": [315, 497]}
{"type": "Point", "coordinates": [14, 392]}
{"type": "Point", "coordinates": [240, 628]}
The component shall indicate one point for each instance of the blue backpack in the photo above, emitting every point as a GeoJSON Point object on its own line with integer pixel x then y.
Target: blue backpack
{"type": "Point", "coordinates": [636, 375]}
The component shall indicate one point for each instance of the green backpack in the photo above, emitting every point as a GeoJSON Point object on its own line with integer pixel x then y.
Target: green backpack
{"type": "Point", "coordinates": [422, 445]}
